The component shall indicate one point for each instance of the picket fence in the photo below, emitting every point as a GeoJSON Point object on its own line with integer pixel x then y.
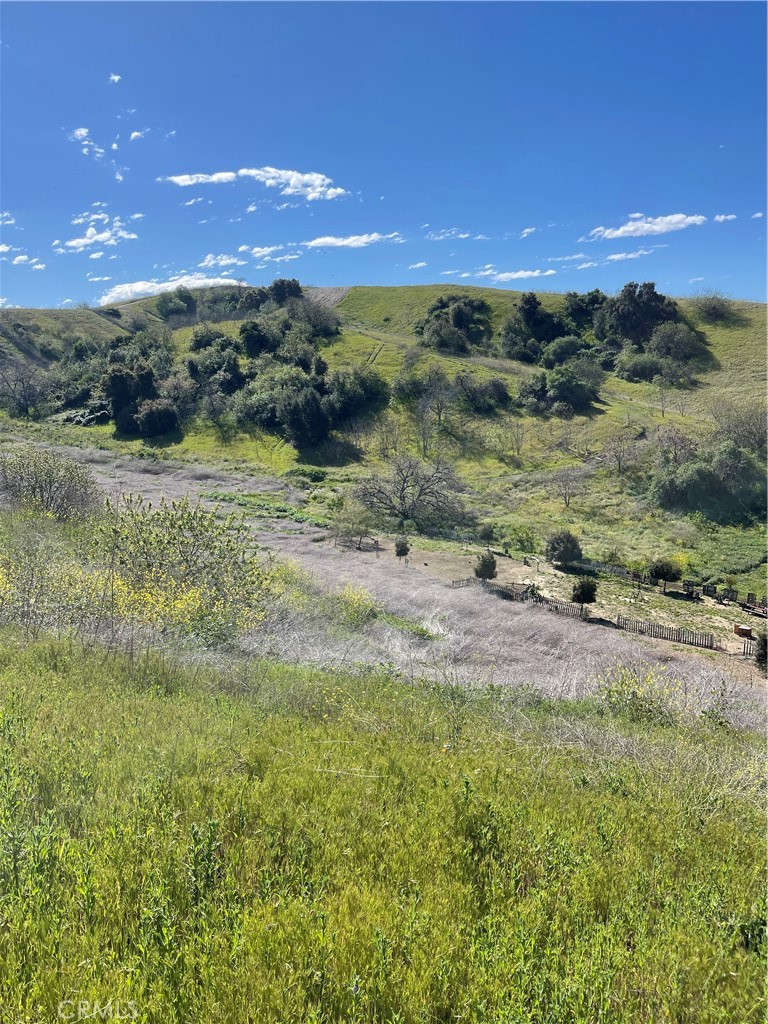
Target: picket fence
{"type": "Point", "coordinates": [676, 633]}
{"type": "Point", "coordinates": [507, 593]}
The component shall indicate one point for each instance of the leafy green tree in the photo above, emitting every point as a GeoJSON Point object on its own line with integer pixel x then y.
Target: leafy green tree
{"type": "Point", "coordinates": [675, 341]}
{"type": "Point", "coordinates": [634, 312]}
{"type": "Point", "coordinates": [455, 323]}
{"type": "Point", "coordinates": [485, 567]}
{"type": "Point", "coordinates": [666, 570]}
{"type": "Point", "coordinates": [562, 547]}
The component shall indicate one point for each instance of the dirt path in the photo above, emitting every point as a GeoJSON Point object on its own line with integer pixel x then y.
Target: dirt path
{"type": "Point", "coordinates": [477, 637]}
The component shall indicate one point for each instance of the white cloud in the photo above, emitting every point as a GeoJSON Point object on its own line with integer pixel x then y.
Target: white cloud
{"type": "Point", "coordinates": [82, 137]}
{"type": "Point", "coordinates": [138, 135]}
{"type": "Point", "coordinates": [441, 236]}
{"type": "Point", "coordinates": [639, 226]}
{"type": "Point", "coordinates": [114, 79]}
{"type": "Point", "coordinates": [755, 216]}
{"type": "Point", "coordinates": [39, 266]}
{"type": "Point", "coordinates": [118, 176]}
{"type": "Point", "coordinates": [310, 185]}
{"type": "Point", "coordinates": [136, 216]}
{"type": "Point", "coordinates": [95, 255]}
{"type": "Point", "coordinates": [137, 289]}
{"type": "Point", "coordinates": [191, 202]}
{"type": "Point", "coordinates": [5, 248]}
{"type": "Point", "coordinates": [260, 252]}
{"type": "Point", "coordinates": [417, 266]}
{"type": "Point", "coordinates": [518, 275]}
{"type": "Point", "coordinates": [481, 238]}
{"type": "Point", "coordinates": [288, 256]}
{"type": "Point", "coordinates": [585, 266]}
{"type": "Point", "coordinates": [6, 219]}
{"type": "Point", "coordinates": [526, 231]}
{"type": "Point", "coordinates": [352, 241]}
{"type": "Point", "coordinates": [564, 259]}
{"type": "Point", "coordinates": [66, 302]}
{"type": "Point", "coordinates": [222, 260]}
{"type": "Point", "coordinates": [693, 280]}
{"type": "Point", "coordinates": [109, 236]}
{"type": "Point", "coordinates": [99, 204]}
{"type": "Point", "coordinates": [90, 218]}
{"type": "Point", "coordinates": [447, 273]}
{"type": "Point", "coordinates": [720, 217]}
{"type": "Point", "coordinates": [616, 256]}
{"type": "Point", "coordinates": [20, 259]}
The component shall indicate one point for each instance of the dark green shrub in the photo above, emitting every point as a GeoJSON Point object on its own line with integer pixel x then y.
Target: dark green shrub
{"type": "Point", "coordinates": [584, 590]}
{"type": "Point", "coordinates": [562, 547]}
{"type": "Point", "coordinates": [485, 567]}
{"type": "Point", "coordinates": [157, 416]}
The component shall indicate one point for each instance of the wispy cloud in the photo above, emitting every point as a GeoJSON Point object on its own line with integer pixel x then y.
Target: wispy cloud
{"type": "Point", "coordinates": [95, 255]}
{"type": "Point", "coordinates": [352, 241]}
{"type": "Point", "coordinates": [586, 266]}
{"type": "Point", "coordinates": [88, 217]}
{"type": "Point", "coordinates": [447, 273]}
{"type": "Point", "coordinates": [565, 259]}
{"type": "Point", "coordinates": [137, 289]}
{"type": "Point", "coordinates": [446, 233]}
{"type": "Point", "coordinates": [222, 260]}
{"type": "Point", "coordinates": [417, 266]}
{"type": "Point", "coordinates": [526, 231]}
{"type": "Point", "coordinates": [310, 185]}
{"type": "Point", "coordinates": [114, 79]}
{"type": "Point", "coordinates": [82, 137]}
{"type": "Point", "coordinates": [755, 216]}
{"type": "Point", "coordinates": [617, 256]}
{"type": "Point", "coordinates": [693, 280]}
{"type": "Point", "coordinates": [260, 252]}
{"type": "Point", "coordinates": [191, 202]}
{"type": "Point", "coordinates": [519, 275]}
{"type": "Point", "coordinates": [720, 217]}
{"type": "Point", "coordinates": [93, 280]}
{"type": "Point", "coordinates": [6, 219]}
{"type": "Point", "coordinates": [639, 226]}
{"type": "Point", "coordinates": [109, 236]}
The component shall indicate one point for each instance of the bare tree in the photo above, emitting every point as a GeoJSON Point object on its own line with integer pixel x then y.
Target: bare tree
{"type": "Point", "coordinates": [676, 446]}
{"type": "Point", "coordinates": [415, 491]}
{"type": "Point", "coordinates": [745, 424]}
{"type": "Point", "coordinates": [619, 450]}
{"type": "Point", "coordinates": [662, 391]}
{"type": "Point", "coordinates": [23, 387]}
{"type": "Point", "coordinates": [568, 482]}
{"type": "Point", "coordinates": [388, 436]}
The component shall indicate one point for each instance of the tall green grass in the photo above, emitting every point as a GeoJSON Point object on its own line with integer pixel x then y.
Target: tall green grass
{"type": "Point", "coordinates": [275, 844]}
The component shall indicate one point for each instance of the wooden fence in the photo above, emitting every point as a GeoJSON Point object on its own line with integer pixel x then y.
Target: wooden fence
{"type": "Point", "coordinates": [676, 633]}
{"type": "Point", "coordinates": [748, 650]}
{"type": "Point", "coordinates": [512, 593]}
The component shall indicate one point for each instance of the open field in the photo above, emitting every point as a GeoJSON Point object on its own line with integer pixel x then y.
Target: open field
{"type": "Point", "coordinates": [323, 847]}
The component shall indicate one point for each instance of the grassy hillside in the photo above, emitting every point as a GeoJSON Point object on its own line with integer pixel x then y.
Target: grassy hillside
{"type": "Point", "coordinates": [273, 844]}
{"type": "Point", "coordinates": [611, 514]}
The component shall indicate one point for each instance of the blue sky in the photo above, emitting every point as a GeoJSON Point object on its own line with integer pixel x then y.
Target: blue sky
{"type": "Point", "coordinates": [547, 146]}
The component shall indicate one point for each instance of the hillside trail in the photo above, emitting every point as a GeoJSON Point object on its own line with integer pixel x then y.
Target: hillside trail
{"type": "Point", "coordinates": [476, 637]}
